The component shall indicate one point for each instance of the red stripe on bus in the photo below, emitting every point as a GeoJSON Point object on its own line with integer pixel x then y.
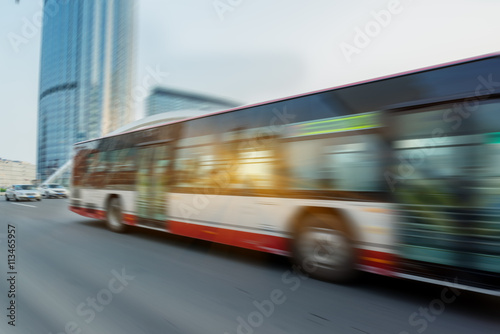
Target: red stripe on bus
{"type": "Point", "coordinates": [249, 240]}
{"type": "Point", "coordinates": [129, 219]}
{"type": "Point", "coordinates": [254, 241]}
{"type": "Point", "coordinates": [76, 209]}
{"type": "Point", "coordinates": [381, 260]}
{"type": "Point", "coordinates": [374, 261]}
{"type": "Point", "coordinates": [91, 213]}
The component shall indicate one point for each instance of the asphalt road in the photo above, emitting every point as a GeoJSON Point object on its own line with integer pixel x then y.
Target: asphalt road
{"type": "Point", "coordinates": [74, 276]}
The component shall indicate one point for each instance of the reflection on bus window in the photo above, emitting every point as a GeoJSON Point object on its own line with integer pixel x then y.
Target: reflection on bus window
{"type": "Point", "coordinates": [351, 163]}
{"type": "Point", "coordinates": [255, 169]}
{"type": "Point", "coordinates": [194, 166]}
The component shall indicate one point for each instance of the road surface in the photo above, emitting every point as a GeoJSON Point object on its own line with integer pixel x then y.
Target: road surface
{"type": "Point", "coordinates": [72, 275]}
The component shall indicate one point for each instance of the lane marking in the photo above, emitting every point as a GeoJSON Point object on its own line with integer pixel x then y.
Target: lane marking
{"type": "Point", "coordinates": [31, 206]}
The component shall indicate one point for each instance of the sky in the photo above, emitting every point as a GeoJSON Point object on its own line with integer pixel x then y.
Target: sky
{"type": "Point", "coordinates": [252, 51]}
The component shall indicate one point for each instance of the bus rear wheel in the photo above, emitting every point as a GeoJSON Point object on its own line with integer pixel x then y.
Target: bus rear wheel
{"type": "Point", "coordinates": [114, 216]}
{"type": "Point", "coordinates": [323, 249]}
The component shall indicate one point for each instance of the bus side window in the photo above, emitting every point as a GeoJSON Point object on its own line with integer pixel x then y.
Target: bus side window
{"type": "Point", "coordinates": [355, 165]}
{"type": "Point", "coordinates": [195, 162]}
{"type": "Point", "coordinates": [351, 163]}
{"type": "Point", "coordinates": [249, 157]}
{"type": "Point", "coordinates": [92, 162]}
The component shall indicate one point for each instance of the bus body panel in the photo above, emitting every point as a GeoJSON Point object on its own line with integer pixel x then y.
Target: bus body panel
{"type": "Point", "coordinates": [384, 155]}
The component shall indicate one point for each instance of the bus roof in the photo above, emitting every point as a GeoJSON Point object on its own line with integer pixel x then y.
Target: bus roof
{"type": "Point", "coordinates": [390, 76]}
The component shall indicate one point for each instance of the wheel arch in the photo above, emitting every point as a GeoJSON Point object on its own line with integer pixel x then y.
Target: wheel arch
{"type": "Point", "coordinates": [108, 199]}
{"type": "Point", "coordinates": [348, 226]}
{"type": "Point", "coordinates": [120, 226]}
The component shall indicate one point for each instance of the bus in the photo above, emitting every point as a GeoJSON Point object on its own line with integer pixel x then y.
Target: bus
{"type": "Point", "coordinates": [398, 176]}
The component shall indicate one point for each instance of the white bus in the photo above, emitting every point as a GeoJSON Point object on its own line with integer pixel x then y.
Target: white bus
{"type": "Point", "coordinates": [397, 176]}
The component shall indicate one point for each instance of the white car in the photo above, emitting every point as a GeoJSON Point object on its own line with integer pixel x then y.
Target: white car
{"type": "Point", "coordinates": [19, 192]}
{"type": "Point", "coordinates": [53, 190]}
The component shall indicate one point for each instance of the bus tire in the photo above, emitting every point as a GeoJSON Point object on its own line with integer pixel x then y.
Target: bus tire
{"type": "Point", "coordinates": [323, 248]}
{"type": "Point", "coordinates": [114, 216]}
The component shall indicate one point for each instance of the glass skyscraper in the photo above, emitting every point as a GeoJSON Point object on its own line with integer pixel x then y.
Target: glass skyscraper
{"type": "Point", "coordinates": [166, 99]}
{"type": "Point", "coordinates": [86, 75]}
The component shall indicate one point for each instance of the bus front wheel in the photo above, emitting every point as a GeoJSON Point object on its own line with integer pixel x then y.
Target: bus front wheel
{"type": "Point", "coordinates": [323, 248]}
{"type": "Point", "coordinates": [115, 216]}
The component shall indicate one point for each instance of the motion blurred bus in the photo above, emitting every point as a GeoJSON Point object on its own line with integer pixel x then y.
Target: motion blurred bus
{"type": "Point", "coordinates": [398, 176]}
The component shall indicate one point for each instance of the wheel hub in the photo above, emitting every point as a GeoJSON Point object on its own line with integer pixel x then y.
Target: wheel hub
{"type": "Point", "coordinates": [115, 214]}
{"type": "Point", "coordinates": [325, 248]}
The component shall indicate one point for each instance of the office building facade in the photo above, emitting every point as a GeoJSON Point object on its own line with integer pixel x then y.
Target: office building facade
{"type": "Point", "coordinates": [86, 75]}
{"type": "Point", "coordinates": [165, 99]}
{"type": "Point", "coordinates": [16, 172]}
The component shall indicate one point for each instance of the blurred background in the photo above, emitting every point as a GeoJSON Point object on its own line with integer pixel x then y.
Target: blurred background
{"type": "Point", "coordinates": [77, 70]}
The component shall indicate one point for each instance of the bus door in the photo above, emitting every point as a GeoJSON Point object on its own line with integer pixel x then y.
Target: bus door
{"type": "Point", "coordinates": [447, 190]}
{"type": "Point", "coordinates": [424, 178]}
{"type": "Point", "coordinates": [152, 185]}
